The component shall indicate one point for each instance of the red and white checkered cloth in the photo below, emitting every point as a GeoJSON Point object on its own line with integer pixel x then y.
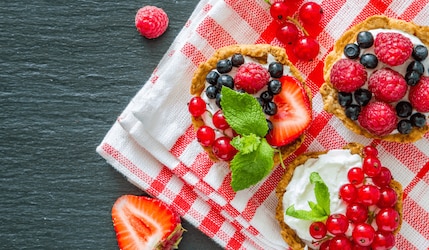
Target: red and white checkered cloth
{"type": "Point", "coordinates": [153, 143]}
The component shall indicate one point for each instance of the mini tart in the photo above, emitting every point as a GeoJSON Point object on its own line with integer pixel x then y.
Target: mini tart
{"type": "Point", "coordinates": [289, 235]}
{"type": "Point", "coordinates": [258, 52]}
{"type": "Point", "coordinates": [330, 94]}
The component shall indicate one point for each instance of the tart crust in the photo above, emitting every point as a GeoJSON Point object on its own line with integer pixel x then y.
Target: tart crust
{"type": "Point", "coordinates": [288, 234]}
{"type": "Point", "coordinates": [259, 52]}
{"type": "Point", "coordinates": [330, 94]}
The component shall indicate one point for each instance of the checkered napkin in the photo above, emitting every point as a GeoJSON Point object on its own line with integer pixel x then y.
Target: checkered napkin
{"type": "Point", "coordinates": [153, 143]}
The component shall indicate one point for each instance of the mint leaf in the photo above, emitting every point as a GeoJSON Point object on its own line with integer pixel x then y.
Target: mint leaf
{"type": "Point", "coordinates": [321, 192]}
{"type": "Point", "coordinates": [248, 169]}
{"type": "Point", "coordinates": [246, 143]}
{"type": "Point", "coordinates": [305, 215]}
{"type": "Point", "coordinates": [243, 113]}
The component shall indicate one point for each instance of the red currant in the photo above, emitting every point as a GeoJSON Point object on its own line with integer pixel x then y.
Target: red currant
{"type": "Point", "coordinates": [318, 230]}
{"type": "Point", "coordinates": [310, 12]}
{"type": "Point", "coordinates": [219, 120]}
{"type": "Point", "coordinates": [280, 11]}
{"type": "Point", "coordinates": [306, 48]}
{"type": "Point", "coordinates": [223, 149]}
{"type": "Point", "coordinates": [368, 195]}
{"type": "Point", "coordinates": [357, 247]}
{"type": "Point", "coordinates": [337, 224]}
{"type": "Point", "coordinates": [324, 245]}
{"type": "Point", "coordinates": [387, 219]}
{"type": "Point", "coordinates": [383, 178]}
{"type": "Point", "coordinates": [370, 151]}
{"type": "Point", "coordinates": [355, 176]}
{"type": "Point", "coordinates": [197, 106]}
{"type": "Point", "coordinates": [287, 33]}
{"type": "Point", "coordinates": [340, 242]}
{"type": "Point", "coordinates": [371, 166]}
{"type": "Point", "coordinates": [388, 197]}
{"type": "Point", "coordinates": [205, 135]}
{"type": "Point", "coordinates": [383, 241]}
{"type": "Point", "coordinates": [363, 234]}
{"type": "Point", "coordinates": [357, 212]}
{"type": "Point", "coordinates": [348, 192]}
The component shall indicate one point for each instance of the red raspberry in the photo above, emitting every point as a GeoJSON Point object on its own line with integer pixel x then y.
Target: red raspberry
{"type": "Point", "coordinates": [348, 75]}
{"type": "Point", "coordinates": [392, 48]}
{"type": "Point", "coordinates": [419, 95]}
{"type": "Point", "coordinates": [251, 77]}
{"type": "Point", "coordinates": [387, 85]}
{"type": "Point", "coordinates": [378, 118]}
{"type": "Point", "coordinates": [151, 21]}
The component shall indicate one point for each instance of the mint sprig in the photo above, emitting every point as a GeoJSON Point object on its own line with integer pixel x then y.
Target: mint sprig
{"type": "Point", "coordinates": [318, 211]}
{"type": "Point", "coordinates": [254, 159]}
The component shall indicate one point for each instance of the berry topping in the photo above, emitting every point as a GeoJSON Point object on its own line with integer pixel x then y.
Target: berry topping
{"type": "Point", "coordinates": [353, 111]}
{"type": "Point", "coordinates": [352, 51]}
{"type": "Point", "coordinates": [318, 230]}
{"type": "Point", "coordinates": [274, 87]}
{"type": "Point", "coordinates": [219, 120]}
{"type": "Point", "coordinates": [223, 149]}
{"type": "Point", "coordinates": [251, 77]}
{"type": "Point", "coordinates": [145, 223]}
{"type": "Point", "coordinates": [371, 166]}
{"type": "Point", "coordinates": [404, 126]}
{"type": "Point", "coordinates": [275, 69]}
{"type": "Point", "coordinates": [384, 178]}
{"type": "Point", "coordinates": [224, 66]}
{"type": "Point", "coordinates": [197, 106]}
{"type": "Point", "coordinates": [420, 52]}
{"type": "Point", "coordinates": [388, 197]}
{"type": "Point", "coordinates": [348, 192]}
{"type": "Point", "coordinates": [337, 224]}
{"type": "Point", "coordinates": [293, 112]}
{"type": "Point", "coordinates": [383, 240]}
{"type": "Point", "coordinates": [345, 98]}
{"type": "Point", "coordinates": [212, 77]}
{"type": "Point", "coordinates": [348, 75]}
{"type": "Point", "coordinates": [357, 212]}
{"type": "Point", "coordinates": [151, 21]}
{"type": "Point", "coordinates": [355, 175]}
{"type": "Point", "coordinates": [418, 120]}
{"type": "Point", "coordinates": [237, 60]}
{"type": "Point", "coordinates": [419, 95]}
{"type": "Point", "coordinates": [225, 80]}
{"type": "Point", "coordinates": [362, 96]}
{"type": "Point", "coordinates": [412, 78]}
{"type": "Point", "coordinates": [392, 48]}
{"type": "Point", "coordinates": [365, 39]}
{"type": "Point", "coordinates": [378, 118]}
{"type": "Point", "coordinates": [387, 85]}
{"type": "Point", "coordinates": [416, 66]}
{"type": "Point", "coordinates": [403, 109]}
{"type": "Point", "coordinates": [212, 91]}
{"type": "Point", "coordinates": [368, 195]}
{"type": "Point", "coordinates": [369, 61]}
{"type": "Point", "coordinates": [387, 219]}
{"type": "Point", "coordinates": [205, 135]}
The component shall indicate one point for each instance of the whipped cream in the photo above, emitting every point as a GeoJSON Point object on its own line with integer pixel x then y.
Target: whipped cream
{"type": "Point", "coordinates": [332, 168]}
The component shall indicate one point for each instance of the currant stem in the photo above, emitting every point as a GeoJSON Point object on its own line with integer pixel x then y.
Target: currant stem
{"type": "Point", "coordinates": [298, 24]}
{"type": "Point", "coordinates": [281, 159]}
{"type": "Point", "coordinates": [268, 2]}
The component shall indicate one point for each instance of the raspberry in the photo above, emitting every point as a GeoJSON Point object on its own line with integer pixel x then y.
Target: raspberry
{"type": "Point", "coordinates": [378, 118]}
{"type": "Point", "coordinates": [151, 21]}
{"type": "Point", "coordinates": [251, 77]}
{"type": "Point", "coordinates": [348, 75]}
{"type": "Point", "coordinates": [392, 48]}
{"type": "Point", "coordinates": [419, 95]}
{"type": "Point", "coordinates": [387, 85]}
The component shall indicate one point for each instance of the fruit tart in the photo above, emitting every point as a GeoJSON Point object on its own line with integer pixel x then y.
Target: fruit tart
{"type": "Point", "coordinates": [341, 199]}
{"type": "Point", "coordinates": [250, 108]}
{"type": "Point", "coordinates": [377, 79]}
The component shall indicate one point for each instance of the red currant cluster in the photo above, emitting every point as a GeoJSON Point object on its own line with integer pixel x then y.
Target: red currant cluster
{"type": "Point", "coordinates": [291, 29]}
{"type": "Point", "coordinates": [206, 135]}
{"type": "Point", "coordinates": [370, 212]}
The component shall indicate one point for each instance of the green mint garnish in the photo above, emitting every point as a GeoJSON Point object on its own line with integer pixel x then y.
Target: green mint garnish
{"type": "Point", "coordinates": [318, 211]}
{"type": "Point", "coordinates": [254, 159]}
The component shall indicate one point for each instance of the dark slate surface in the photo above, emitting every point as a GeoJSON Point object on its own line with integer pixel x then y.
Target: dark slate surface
{"type": "Point", "coordinates": [67, 70]}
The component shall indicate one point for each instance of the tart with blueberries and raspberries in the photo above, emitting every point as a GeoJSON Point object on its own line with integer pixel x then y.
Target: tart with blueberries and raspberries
{"type": "Point", "coordinates": [377, 79]}
{"type": "Point", "coordinates": [339, 199]}
{"type": "Point", "coordinates": [250, 108]}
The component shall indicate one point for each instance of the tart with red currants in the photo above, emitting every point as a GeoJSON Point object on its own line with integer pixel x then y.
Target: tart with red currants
{"type": "Point", "coordinates": [250, 108]}
{"type": "Point", "coordinates": [377, 79]}
{"type": "Point", "coordinates": [339, 199]}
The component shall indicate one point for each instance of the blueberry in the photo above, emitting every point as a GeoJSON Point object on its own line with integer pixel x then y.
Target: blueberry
{"type": "Point", "coordinates": [420, 52]}
{"type": "Point", "coordinates": [369, 61]}
{"type": "Point", "coordinates": [418, 120]}
{"type": "Point", "coordinates": [412, 78]}
{"type": "Point", "coordinates": [274, 87]}
{"type": "Point", "coordinates": [225, 80]}
{"type": "Point", "coordinates": [275, 69]}
{"type": "Point", "coordinates": [261, 102]}
{"type": "Point", "coordinates": [218, 99]}
{"type": "Point", "coordinates": [345, 99]}
{"type": "Point", "coordinates": [224, 66]}
{"type": "Point", "coordinates": [270, 108]}
{"type": "Point", "coordinates": [270, 125]}
{"type": "Point", "coordinates": [403, 109]}
{"type": "Point", "coordinates": [266, 96]}
{"type": "Point", "coordinates": [353, 111]}
{"type": "Point", "coordinates": [416, 66]}
{"type": "Point", "coordinates": [352, 51]}
{"type": "Point", "coordinates": [362, 96]}
{"type": "Point", "coordinates": [211, 92]}
{"type": "Point", "coordinates": [404, 127]}
{"type": "Point", "coordinates": [212, 77]}
{"type": "Point", "coordinates": [365, 39]}
{"type": "Point", "coordinates": [237, 60]}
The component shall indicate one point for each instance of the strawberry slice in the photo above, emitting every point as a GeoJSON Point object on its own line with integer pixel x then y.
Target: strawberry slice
{"type": "Point", "coordinates": [145, 223]}
{"type": "Point", "coordinates": [294, 113]}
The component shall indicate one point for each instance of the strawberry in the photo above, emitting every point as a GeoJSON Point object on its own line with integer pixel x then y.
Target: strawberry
{"type": "Point", "coordinates": [294, 113]}
{"type": "Point", "coordinates": [145, 223]}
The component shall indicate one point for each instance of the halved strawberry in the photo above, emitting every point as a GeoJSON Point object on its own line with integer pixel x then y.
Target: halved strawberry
{"type": "Point", "coordinates": [145, 223]}
{"type": "Point", "coordinates": [293, 115]}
